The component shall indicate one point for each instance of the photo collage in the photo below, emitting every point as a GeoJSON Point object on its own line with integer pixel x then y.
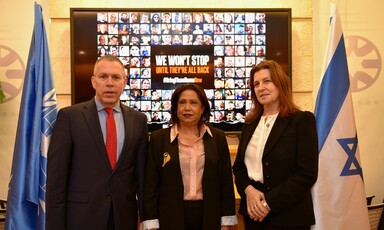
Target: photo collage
{"type": "Point", "coordinates": [238, 39]}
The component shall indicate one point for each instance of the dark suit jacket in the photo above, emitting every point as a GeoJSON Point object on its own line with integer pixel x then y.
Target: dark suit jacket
{"type": "Point", "coordinates": [81, 186]}
{"type": "Point", "coordinates": [164, 191]}
{"type": "Point", "coordinates": [290, 166]}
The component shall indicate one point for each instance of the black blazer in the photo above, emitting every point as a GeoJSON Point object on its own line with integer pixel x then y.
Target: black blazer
{"type": "Point", "coordinates": [290, 166]}
{"type": "Point", "coordinates": [164, 190]}
{"type": "Point", "coordinates": [81, 186]}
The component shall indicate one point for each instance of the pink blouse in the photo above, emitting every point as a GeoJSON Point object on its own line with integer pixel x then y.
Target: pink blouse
{"type": "Point", "coordinates": [192, 159]}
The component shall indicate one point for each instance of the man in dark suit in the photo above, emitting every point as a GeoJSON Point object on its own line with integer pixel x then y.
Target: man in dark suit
{"type": "Point", "coordinates": [85, 189]}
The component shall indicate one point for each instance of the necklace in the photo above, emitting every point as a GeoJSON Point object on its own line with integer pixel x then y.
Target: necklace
{"type": "Point", "coordinates": [267, 120]}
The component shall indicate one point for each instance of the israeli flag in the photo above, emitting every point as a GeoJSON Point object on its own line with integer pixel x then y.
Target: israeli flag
{"type": "Point", "coordinates": [339, 196]}
{"type": "Point", "coordinates": [38, 111]}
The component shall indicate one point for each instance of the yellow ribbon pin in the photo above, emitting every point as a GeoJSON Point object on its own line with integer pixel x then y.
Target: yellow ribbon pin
{"type": "Point", "coordinates": [166, 158]}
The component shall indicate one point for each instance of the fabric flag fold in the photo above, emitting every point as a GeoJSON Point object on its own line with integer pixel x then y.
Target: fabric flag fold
{"type": "Point", "coordinates": [38, 111]}
{"type": "Point", "coordinates": [338, 195]}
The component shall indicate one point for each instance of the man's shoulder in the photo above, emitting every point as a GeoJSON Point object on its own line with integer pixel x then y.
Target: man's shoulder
{"type": "Point", "coordinates": [129, 110]}
{"type": "Point", "coordinates": [79, 106]}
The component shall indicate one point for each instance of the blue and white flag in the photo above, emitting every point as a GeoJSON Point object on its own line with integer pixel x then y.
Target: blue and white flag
{"type": "Point", "coordinates": [38, 111]}
{"type": "Point", "coordinates": [339, 196]}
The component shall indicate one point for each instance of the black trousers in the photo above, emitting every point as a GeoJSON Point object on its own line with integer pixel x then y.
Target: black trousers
{"type": "Point", "coordinates": [193, 215]}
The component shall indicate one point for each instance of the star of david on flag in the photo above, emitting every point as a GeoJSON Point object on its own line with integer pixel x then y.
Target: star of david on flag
{"type": "Point", "coordinates": [352, 166]}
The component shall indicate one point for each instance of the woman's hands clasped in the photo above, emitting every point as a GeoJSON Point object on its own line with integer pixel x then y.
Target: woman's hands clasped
{"type": "Point", "coordinates": [257, 207]}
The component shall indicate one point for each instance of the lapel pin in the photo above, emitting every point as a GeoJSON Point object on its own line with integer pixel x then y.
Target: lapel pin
{"type": "Point", "coordinates": [166, 158]}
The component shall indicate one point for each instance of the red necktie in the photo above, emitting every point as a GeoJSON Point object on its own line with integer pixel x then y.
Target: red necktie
{"type": "Point", "coordinates": [111, 143]}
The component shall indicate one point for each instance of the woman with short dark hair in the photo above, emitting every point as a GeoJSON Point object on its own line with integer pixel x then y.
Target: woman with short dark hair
{"type": "Point", "coordinates": [188, 173]}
